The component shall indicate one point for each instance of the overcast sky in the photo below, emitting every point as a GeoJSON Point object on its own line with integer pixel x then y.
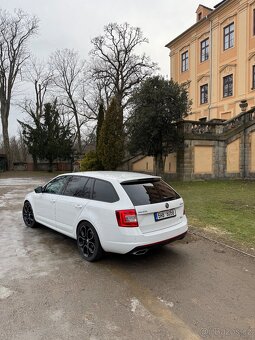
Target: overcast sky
{"type": "Point", "coordinates": [73, 23]}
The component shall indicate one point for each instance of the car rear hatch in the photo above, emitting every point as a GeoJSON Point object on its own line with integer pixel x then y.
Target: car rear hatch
{"type": "Point", "coordinates": [158, 205]}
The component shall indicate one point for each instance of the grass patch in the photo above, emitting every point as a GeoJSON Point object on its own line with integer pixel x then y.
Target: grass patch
{"type": "Point", "coordinates": [225, 207]}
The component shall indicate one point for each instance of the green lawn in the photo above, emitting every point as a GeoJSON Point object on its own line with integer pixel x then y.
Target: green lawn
{"type": "Point", "coordinates": [223, 207]}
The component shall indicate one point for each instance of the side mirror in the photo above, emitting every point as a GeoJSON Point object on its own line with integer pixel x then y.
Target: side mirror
{"type": "Point", "coordinates": [39, 190]}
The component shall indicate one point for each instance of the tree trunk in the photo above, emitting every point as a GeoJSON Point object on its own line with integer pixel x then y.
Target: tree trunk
{"type": "Point", "coordinates": [119, 98]}
{"type": "Point", "coordinates": [35, 165]}
{"type": "Point", "coordinates": [78, 132]}
{"type": "Point", "coordinates": [50, 165]}
{"type": "Point", "coordinates": [79, 139]}
{"type": "Point", "coordinates": [4, 117]}
{"type": "Point", "coordinates": [159, 165]}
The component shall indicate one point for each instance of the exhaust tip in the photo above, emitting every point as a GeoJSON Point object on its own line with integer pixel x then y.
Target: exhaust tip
{"type": "Point", "coordinates": [140, 252]}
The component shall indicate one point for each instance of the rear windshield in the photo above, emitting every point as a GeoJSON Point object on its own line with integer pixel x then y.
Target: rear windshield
{"type": "Point", "coordinates": [149, 192]}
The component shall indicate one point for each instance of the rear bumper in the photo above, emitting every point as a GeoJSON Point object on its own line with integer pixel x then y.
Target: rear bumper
{"type": "Point", "coordinates": [137, 241]}
{"type": "Point", "coordinates": [161, 243]}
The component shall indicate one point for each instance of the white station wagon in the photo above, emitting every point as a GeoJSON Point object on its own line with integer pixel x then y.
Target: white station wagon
{"type": "Point", "coordinates": [111, 211]}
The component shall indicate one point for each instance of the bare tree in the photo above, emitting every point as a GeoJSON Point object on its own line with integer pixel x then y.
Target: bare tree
{"type": "Point", "coordinates": [38, 74]}
{"type": "Point", "coordinates": [115, 62]}
{"type": "Point", "coordinates": [92, 96]}
{"type": "Point", "coordinates": [15, 31]}
{"type": "Point", "coordinates": [68, 72]}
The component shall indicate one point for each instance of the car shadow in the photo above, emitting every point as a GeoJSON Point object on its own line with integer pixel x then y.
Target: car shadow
{"type": "Point", "coordinates": [173, 255]}
{"type": "Point", "coordinates": [160, 256]}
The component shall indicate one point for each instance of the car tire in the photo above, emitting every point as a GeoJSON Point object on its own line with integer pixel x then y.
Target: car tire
{"type": "Point", "coordinates": [88, 242]}
{"type": "Point", "coordinates": [28, 215]}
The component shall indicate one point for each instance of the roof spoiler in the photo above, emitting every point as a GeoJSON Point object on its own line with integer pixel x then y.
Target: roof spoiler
{"type": "Point", "coordinates": [142, 180]}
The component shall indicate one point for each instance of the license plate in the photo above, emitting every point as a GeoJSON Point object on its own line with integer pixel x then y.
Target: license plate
{"type": "Point", "coordinates": [162, 215]}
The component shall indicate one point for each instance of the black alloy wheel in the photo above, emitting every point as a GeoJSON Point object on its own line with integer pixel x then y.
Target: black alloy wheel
{"type": "Point", "coordinates": [88, 242]}
{"type": "Point", "coordinates": [28, 215]}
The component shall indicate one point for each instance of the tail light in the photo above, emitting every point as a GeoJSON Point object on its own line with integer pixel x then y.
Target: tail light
{"type": "Point", "coordinates": [127, 218]}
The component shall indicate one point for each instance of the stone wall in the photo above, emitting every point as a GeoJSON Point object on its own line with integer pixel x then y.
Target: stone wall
{"type": "Point", "coordinates": [211, 150]}
{"type": "Point", "coordinates": [218, 149]}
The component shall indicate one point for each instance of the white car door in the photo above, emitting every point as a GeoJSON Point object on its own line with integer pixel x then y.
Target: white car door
{"type": "Point", "coordinates": [72, 203]}
{"type": "Point", "coordinates": [45, 202]}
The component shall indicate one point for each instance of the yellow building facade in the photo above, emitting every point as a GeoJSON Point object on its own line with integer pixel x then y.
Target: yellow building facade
{"type": "Point", "coordinates": [215, 58]}
{"type": "Point", "coordinates": [147, 164]}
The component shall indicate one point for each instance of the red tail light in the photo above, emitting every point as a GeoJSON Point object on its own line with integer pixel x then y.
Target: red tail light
{"type": "Point", "coordinates": [127, 218]}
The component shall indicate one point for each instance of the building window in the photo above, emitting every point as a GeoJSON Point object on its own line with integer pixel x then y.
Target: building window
{"type": "Point", "coordinates": [228, 86]}
{"type": "Point", "coordinates": [199, 17]}
{"type": "Point", "coordinates": [185, 61]}
{"type": "Point", "coordinates": [204, 51]}
{"type": "Point", "coordinates": [204, 94]}
{"type": "Point", "coordinates": [229, 36]}
{"type": "Point", "coordinates": [253, 77]}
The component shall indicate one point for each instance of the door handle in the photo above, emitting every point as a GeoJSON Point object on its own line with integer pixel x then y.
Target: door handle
{"type": "Point", "coordinates": [53, 201]}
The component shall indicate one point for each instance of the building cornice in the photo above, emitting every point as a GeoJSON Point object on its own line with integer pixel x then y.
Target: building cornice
{"type": "Point", "coordinates": [223, 67]}
{"type": "Point", "coordinates": [243, 6]}
{"type": "Point", "coordinates": [251, 3]}
{"type": "Point", "coordinates": [185, 47]}
{"type": "Point", "coordinates": [186, 83]}
{"type": "Point", "coordinates": [228, 18]}
{"type": "Point", "coordinates": [204, 34]}
{"type": "Point", "coordinates": [206, 76]}
{"type": "Point", "coordinates": [251, 55]}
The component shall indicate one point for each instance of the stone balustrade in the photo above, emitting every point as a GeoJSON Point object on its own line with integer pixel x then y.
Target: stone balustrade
{"type": "Point", "coordinates": [215, 126]}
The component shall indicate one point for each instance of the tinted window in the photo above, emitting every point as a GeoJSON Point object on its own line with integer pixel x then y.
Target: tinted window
{"type": "Point", "coordinates": [104, 191]}
{"type": "Point", "coordinates": [142, 193]}
{"type": "Point", "coordinates": [78, 186]}
{"type": "Point", "coordinates": [56, 185]}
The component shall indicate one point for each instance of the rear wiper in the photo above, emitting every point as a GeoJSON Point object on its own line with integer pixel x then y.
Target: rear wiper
{"type": "Point", "coordinates": [169, 198]}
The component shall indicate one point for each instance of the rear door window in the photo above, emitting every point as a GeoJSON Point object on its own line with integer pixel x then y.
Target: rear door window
{"type": "Point", "coordinates": [104, 191]}
{"type": "Point", "coordinates": [149, 192]}
{"type": "Point", "coordinates": [79, 186]}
